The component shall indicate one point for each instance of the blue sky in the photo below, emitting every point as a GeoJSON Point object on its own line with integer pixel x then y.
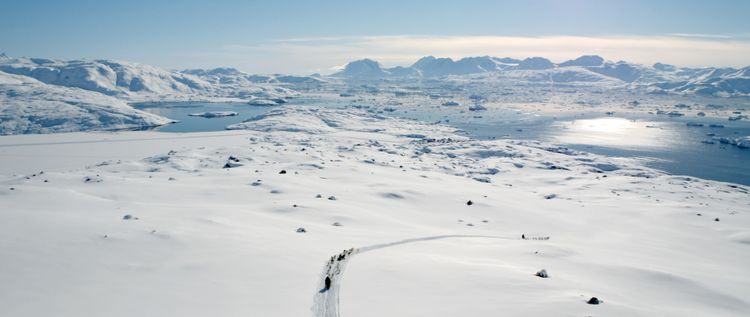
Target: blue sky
{"type": "Point", "coordinates": [308, 36]}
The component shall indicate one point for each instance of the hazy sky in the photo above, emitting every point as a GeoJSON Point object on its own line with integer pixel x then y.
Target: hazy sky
{"type": "Point", "coordinates": [316, 36]}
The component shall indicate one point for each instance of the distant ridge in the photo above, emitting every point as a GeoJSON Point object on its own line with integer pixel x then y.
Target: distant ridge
{"type": "Point", "coordinates": [658, 78]}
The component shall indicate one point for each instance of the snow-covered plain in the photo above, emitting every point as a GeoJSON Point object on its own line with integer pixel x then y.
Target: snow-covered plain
{"type": "Point", "coordinates": [197, 224]}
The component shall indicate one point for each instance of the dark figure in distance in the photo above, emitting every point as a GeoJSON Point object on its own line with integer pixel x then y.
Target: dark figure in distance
{"type": "Point", "coordinates": [328, 283]}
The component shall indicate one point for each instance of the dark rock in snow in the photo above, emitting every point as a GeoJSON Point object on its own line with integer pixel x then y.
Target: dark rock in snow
{"type": "Point", "coordinates": [301, 230]}
{"type": "Point", "coordinates": [332, 198]}
{"type": "Point", "coordinates": [129, 217]}
{"type": "Point", "coordinates": [593, 301]}
{"type": "Point", "coordinates": [282, 172]}
{"type": "Point", "coordinates": [92, 179]}
{"type": "Point", "coordinates": [336, 224]}
{"type": "Point", "coordinates": [232, 164]}
{"type": "Point", "coordinates": [542, 274]}
{"type": "Point", "coordinates": [469, 203]}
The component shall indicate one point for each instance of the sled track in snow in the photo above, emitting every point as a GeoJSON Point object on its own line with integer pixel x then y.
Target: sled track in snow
{"type": "Point", "coordinates": [326, 303]}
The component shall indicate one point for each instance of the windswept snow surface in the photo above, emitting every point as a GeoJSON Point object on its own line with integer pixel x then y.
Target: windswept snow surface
{"type": "Point", "coordinates": [205, 224]}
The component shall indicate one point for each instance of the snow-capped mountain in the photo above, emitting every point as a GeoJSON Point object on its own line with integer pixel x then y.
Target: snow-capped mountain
{"type": "Point", "coordinates": [364, 68]}
{"type": "Point", "coordinates": [430, 66]}
{"type": "Point", "coordinates": [536, 63]}
{"type": "Point", "coordinates": [585, 60]}
{"type": "Point", "coordinates": [659, 77]}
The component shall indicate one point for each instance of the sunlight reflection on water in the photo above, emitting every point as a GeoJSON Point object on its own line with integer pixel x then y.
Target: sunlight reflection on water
{"type": "Point", "coordinates": [615, 132]}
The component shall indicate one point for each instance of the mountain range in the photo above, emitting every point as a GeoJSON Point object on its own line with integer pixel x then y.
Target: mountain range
{"type": "Point", "coordinates": [658, 78]}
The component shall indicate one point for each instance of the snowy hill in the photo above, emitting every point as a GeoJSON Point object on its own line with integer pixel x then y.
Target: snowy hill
{"type": "Point", "coordinates": [121, 79]}
{"type": "Point", "coordinates": [562, 75]}
{"type": "Point", "coordinates": [138, 82]}
{"type": "Point", "coordinates": [723, 82]}
{"type": "Point", "coordinates": [46, 96]}
{"type": "Point", "coordinates": [30, 106]}
{"type": "Point", "coordinates": [234, 77]}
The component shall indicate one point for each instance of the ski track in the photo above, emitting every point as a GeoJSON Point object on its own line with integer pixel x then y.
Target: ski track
{"type": "Point", "coordinates": [326, 303]}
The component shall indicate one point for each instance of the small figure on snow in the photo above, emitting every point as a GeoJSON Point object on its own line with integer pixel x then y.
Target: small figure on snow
{"type": "Point", "coordinates": [328, 283]}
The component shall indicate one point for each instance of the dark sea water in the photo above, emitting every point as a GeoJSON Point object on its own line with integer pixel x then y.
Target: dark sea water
{"type": "Point", "coordinates": [181, 111]}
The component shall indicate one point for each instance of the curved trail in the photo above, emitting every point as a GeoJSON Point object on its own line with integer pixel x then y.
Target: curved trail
{"type": "Point", "coordinates": [326, 302]}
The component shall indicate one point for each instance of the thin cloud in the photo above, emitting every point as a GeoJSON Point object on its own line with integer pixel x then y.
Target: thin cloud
{"type": "Point", "coordinates": [705, 36]}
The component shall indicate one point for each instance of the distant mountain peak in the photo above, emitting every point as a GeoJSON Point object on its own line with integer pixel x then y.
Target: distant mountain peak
{"type": "Point", "coordinates": [664, 67]}
{"type": "Point", "coordinates": [585, 60]}
{"type": "Point", "coordinates": [535, 63]}
{"type": "Point", "coordinates": [213, 71]}
{"type": "Point", "coordinates": [363, 68]}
